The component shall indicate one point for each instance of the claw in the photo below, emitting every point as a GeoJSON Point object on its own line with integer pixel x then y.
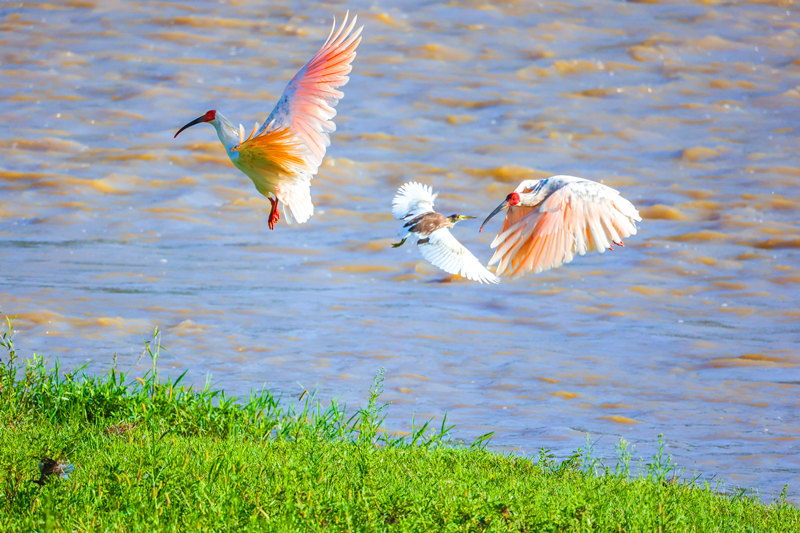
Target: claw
{"type": "Point", "coordinates": [274, 215]}
{"type": "Point", "coordinates": [396, 244]}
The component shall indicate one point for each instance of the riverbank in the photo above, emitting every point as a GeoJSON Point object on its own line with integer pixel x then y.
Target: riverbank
{"type": "Point", "coordinates": [82, 452]}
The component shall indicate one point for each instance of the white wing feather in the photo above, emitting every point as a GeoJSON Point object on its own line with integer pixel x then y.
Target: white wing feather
{"type": "Point", "coordinates": [412, 199]}
{"type": "Point", "coordinates": [444, 251]}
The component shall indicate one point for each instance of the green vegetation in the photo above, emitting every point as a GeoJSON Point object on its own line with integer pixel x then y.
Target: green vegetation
{"type": "Point", "coordinates": [153, 455]}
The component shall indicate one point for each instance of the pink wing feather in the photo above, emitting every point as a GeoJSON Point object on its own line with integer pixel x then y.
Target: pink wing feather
{"type": "Point", "coordinates": [538, 238]}
{"type": "Point", "coordinates": [307, 103]}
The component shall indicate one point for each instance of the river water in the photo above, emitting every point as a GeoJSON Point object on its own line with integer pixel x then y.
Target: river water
{"type": "Point", "coordinates": [110, 228]}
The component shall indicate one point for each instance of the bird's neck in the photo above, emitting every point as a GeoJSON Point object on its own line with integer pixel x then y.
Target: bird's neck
{"type": "Point", "coordinates": [228, 134]}
{"type": "Point", "coordinates": [538, 191]}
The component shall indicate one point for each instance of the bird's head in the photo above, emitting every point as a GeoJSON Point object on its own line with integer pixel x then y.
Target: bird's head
{"type": "Point", "coordinates": [210, 116]}
{"type": "Point", "coordinates": [510, 201]}
{"type": "Point", "coordinates": [457, 218]}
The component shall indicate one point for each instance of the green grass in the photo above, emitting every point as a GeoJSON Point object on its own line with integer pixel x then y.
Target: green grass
{"type": "Point", "coordinates": [153, 455]}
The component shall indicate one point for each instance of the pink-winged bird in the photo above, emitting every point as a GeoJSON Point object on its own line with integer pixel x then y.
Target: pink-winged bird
{"type": "Point", "coordinates": [283, 155]}
{"type": "Point", "coordinates": [551, 220]}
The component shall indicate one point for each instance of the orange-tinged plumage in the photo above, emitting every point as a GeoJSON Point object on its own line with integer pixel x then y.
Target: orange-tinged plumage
{"type": "Point", "coordinates": [284, 154]}
{"type": "Point", "coordinates": [551, 220]}
{"type": "Point", "coordinates": [271, 153]}
{"type": "Point", "coordinates": [316, 84]}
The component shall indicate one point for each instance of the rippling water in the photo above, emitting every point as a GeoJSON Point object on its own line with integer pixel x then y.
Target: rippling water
{"type": "Point", "coordinates": [109, 227]}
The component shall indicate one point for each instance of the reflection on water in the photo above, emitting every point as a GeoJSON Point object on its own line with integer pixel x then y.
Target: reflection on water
{"type": "Point", "coordinates": [110, 228]}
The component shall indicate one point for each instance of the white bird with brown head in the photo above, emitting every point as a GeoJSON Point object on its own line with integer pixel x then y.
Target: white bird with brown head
{"type": "Point", "coordinates": [413, 204]}
{"type": "Point", "coordinates": [551, 220]}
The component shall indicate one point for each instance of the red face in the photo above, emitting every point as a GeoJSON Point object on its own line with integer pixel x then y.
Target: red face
{"type": "Point", "coordinates": [208, 117]}
{"type": "Point", "coordinates": [510, 201]}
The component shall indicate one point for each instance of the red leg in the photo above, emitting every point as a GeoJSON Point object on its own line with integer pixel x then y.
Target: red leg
{"type": "Point", "coordinates": [274, 215]}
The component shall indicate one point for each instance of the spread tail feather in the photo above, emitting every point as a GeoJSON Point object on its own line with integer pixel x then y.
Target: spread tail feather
{"type": "Point", "coordinates": [295, 201]}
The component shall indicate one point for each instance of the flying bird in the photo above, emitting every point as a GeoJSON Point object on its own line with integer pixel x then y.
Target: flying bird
{"type": "Point", "coordinates": [551, 220]}
{"type": "Point", "coordinates": [283, 155]}
{"type": "Point", "coordinates": [413, 204]}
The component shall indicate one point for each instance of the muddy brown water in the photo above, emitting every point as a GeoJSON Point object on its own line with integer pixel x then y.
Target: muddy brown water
{"type": "Point", "coordinates": [110, 228]}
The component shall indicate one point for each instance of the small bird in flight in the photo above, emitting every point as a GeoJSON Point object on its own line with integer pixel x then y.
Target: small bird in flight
{"type": "Point", "coordinates": [283, 155]}
{"type": "Point", "coordinates": [413, 204]}
{"type": "Point", "coordinates": [551, 220]}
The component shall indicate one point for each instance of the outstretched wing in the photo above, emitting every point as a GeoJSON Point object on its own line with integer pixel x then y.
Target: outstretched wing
{"type": "Point", "coordinates": [307, 104]}
{"type": "Point", "coordinates": [441, 249]}
{"type": "Point", "coordinates": [412, 199]}
{"type": "Point", "coordinates": [577, 218]}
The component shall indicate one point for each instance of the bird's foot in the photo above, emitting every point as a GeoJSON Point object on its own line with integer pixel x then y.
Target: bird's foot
{"type": "Point", "coordinates": [620, 244]}
{"type": "Point", "coordinates": [274, 214]}
{"type": "Point", "coordinates": [396, 244]}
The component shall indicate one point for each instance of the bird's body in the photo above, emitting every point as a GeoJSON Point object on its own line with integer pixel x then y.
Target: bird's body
{"type": "Point", "coordinates": [51, 468]}
{"type": "Point", "coordinates": [413, 204]}
{"type": "Point", "coordinates": [551, 220]}
{"type": "Point", "coordinates": [282, 155]}
{"type": "Point", "coordinates": [425, 224]}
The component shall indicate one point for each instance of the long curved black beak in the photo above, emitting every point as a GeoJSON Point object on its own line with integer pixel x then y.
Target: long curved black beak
{"type": "Point", "coordinates": [497, 209]}
{"type": "Point", "coordinates": [198, 120]}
